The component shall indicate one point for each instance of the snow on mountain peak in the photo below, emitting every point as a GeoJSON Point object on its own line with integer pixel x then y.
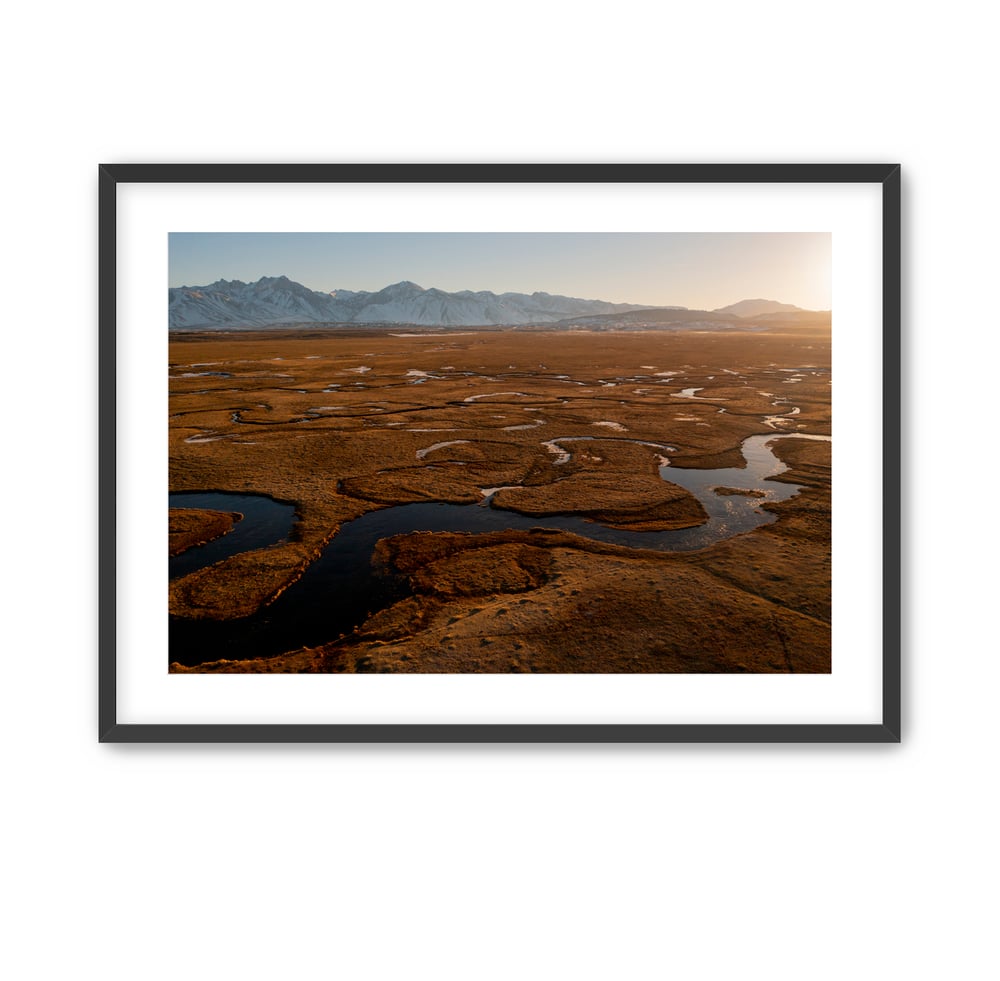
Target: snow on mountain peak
{"type": "Point", "coordinates": [276, 300]}
{"type": "Point", "coordinates": [402, 288]}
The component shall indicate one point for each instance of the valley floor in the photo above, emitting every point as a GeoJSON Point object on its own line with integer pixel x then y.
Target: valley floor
{"type": "Point", "coordinates": [345, 423]}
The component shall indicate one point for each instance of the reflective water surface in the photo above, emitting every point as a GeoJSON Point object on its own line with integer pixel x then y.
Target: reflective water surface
{"type": "Point", "coordinates": [341, 589]}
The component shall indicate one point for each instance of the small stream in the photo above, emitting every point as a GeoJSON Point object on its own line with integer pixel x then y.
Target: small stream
{"type": "Point", "coordinates": [340, 589]}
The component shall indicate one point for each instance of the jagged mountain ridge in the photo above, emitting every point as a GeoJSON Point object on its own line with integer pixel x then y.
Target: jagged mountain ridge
{"type": "Point", "coordinates": [279, 300]}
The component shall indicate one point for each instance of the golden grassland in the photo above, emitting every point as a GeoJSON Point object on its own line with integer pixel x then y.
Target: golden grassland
{"type": "Point", "coordinates": [344, 423]}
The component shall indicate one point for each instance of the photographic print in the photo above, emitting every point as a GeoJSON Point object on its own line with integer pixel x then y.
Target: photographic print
{"type": "Point", "coordinates": [500, 452]}
{"type": "Point", "coordinates": [536, 448]}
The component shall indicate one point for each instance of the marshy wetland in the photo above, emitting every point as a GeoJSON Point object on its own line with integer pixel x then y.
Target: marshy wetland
{"type": "Point", "coordinates": [500, 500]}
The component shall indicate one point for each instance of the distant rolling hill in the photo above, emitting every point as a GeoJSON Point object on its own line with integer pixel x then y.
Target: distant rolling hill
{"type": "Point", "coordinates": [757, 308]}
{"type": "Point", "coordinates": [768, 314]}
{"type": "Point", "coordinates": [659, 317]}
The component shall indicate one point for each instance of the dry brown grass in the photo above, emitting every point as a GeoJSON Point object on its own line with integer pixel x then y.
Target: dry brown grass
{"type": "Point", "coordinates": [192, 526]}
{"type": "Point", "coordinates": [279, 426]}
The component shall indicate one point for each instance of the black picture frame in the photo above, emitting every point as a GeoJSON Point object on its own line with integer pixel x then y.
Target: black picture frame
{"type": "Point", "coordinates": [887, 730]}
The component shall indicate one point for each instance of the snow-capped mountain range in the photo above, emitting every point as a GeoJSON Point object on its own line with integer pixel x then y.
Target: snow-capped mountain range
{"type": "Point", "coordinates": [279, 300]}
{"type": "Point", "coordinates": [275, 300]}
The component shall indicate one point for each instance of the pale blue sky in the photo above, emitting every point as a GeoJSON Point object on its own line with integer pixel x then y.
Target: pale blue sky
{"type": "Point", "coordinates": [697, 270]}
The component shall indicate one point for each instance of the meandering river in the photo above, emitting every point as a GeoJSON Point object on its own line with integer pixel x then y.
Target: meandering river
{"type": "Point", "coordinates": [340, 589]}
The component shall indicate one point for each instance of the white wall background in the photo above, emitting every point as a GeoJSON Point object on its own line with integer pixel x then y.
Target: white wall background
{"type": "Point", "coordinates": [587, 862]}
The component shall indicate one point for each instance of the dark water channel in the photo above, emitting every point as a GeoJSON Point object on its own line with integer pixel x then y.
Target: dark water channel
{"type": "Point", "coordinates": [265, 522]}
{"type": "Point", "coordinates": [341, 589]}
